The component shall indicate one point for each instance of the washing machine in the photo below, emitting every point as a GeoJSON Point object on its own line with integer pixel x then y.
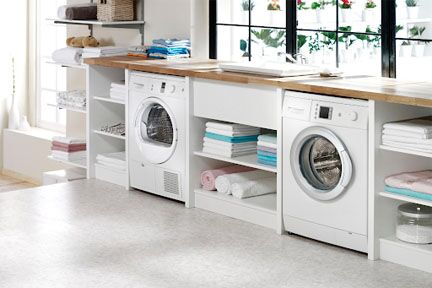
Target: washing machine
{"type": "Point", "coordinates": [157, 134]}
{"type": "Point", "coordinates": [325, 166]}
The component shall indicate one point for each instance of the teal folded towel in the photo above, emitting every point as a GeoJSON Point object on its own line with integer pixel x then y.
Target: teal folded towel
{"type": "Point", "coordinates": [267, 162]}
{"type": "Point", "coordinates": [269, 138]}
{"type": "Point", "coordinates": [266, 153]}
{"type": "Point", "coordinates": [240, 139]}
{"type": "Point", "coordinates": [267, 158]}
{"type": "Point", "coordinates": [409, 193]}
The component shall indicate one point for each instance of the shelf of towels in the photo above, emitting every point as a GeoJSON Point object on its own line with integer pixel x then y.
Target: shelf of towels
{"type": "Point", "coordinates": [70, 151]}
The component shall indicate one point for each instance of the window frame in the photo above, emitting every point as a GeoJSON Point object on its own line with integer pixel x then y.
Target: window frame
{"type": "Point", "coordinates": [388, 35]}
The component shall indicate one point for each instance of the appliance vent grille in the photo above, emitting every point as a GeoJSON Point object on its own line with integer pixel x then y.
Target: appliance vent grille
{"type": "Point", "coordinates": [171, 183]}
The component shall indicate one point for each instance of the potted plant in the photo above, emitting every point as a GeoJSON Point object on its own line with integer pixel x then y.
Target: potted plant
{"type": "Point", "coordinates": [406, 49]}
{"type": "Point", "coordinates": [345, 8]}
{"type": "Point", "coordinates": [369, 11]}
{"type": "Point", "coordinates": [246, 7]}
{"type": "Point", "coordinates": [318, 7]}
{"type": "Point", "coordinates": [412, 9]}
{"type": "Point", "coordinates": [269, 38]}
{"type": "Point", "coordinates": [419, 46]}
{"type": "Point", "coordinates": [275, 13]}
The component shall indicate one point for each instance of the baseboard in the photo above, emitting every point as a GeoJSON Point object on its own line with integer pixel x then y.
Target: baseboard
{"type": "Point", "coordinates": [21, 177]}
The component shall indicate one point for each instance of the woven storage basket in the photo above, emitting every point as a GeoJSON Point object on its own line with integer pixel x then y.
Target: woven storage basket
{"type": "Point", "coordinates": [115, 10]}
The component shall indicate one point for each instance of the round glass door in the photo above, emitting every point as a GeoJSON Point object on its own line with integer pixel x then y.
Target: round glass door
{"type": "Point", "coordinates": [156, 131]}
{"type": "Point", "coordinates": [321, 164]}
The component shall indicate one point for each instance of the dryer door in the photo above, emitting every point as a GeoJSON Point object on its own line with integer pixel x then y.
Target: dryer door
{"type": "Point", "coordinates": [155, 131]}
{"type": "Point", "coordinates": [321, 164]}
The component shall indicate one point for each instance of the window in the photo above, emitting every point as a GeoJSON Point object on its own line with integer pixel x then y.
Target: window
{"type": "Point", "coordinates": [375, 37]}
{"type": "Point", "coordinates": [51, 78]}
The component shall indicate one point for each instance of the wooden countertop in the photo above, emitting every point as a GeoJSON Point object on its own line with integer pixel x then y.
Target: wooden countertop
{"type": "Point", "coordinates": [417, 93]}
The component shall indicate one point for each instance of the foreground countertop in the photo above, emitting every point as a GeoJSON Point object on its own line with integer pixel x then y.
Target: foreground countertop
{"type": "Point", "coordinates": [417, 93]}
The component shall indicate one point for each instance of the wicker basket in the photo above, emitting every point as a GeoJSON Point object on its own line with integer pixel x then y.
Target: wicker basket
{"type": "Point", "coordinates": [115, 10]}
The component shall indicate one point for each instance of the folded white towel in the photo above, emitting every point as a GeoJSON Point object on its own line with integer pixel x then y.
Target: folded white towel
{"type": "Point", "coordinates": [223, 183]}
{"type": "Point", "coordinates": [254, 188]}
{"type": "Point", "coordinates": [230, 145]}
{"type": "Point", "coordinates": [251, 132]}
{"type": "Point", "coordinates": [225, 153]}
{"type": "Point", "coordinates": [229, 126]}
{"type": "Point", "coordinates": [117, 158]}
{"type": "Point", "coordinates": [407, 140]}
{"type": "Point", "coordinates": [402, 133]}
{"type": "Point", "coordinates": [415, 147]}
{"type": "Point", "coordinates": [112, 165]}
{"type": "Point", "coordinates": [230, 149]}
{"type": "Point", "coordinates": [68, 55]}
{"type": "Point", "coordinates": [267, 144]}
{"type": "Point", "coordinates": [69, 156]}
{"type": "Point", "coordinates": [419, 125]}
{"type": "Point", "coordinates": [68, 140]}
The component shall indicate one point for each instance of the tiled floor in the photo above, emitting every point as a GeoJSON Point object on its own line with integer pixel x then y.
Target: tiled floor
{"type": "Point", "coordinates": [11, 184]}
{"type": "Point", "coordinates": [93, 234]}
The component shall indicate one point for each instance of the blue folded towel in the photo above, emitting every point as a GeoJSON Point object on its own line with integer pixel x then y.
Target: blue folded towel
{"type": "Point", "coordinates": [409, 193]}
{"type": "Point", "coordinates": [241, 139]}
{"type": "Point", "coordinates": [266, 153]}
{"type": "Point", "coordinates": [267, 162]}
{"type": "Point", "coordinates": [168, 50]}
{"type": "Point", "coordinates": [269, 138]}
{"type": "Point", "coordinates": [267, 158]}
{"type": "Point", "coordinates": [172, 42]}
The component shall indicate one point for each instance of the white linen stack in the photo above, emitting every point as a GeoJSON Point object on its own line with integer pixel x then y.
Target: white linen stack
{"type": "Point", "coordinates": [103, 51]}
{"type": "Point", "coordinates": [413, 134]}
{"type": "Point", "coordinates": [68, 55]}
{"type": "Point", "coordinates": [246, 184]}
{"type": "Point", "coordinates": [230, 140]}
{"type": "Point", "coordinates": [75, 99]}
{"type": "Point", "coordinates": [116, 160]}
{"type": "Point", "coordinates": [118, 91]}
{"type": "Point", "coordinates": [68, 149]}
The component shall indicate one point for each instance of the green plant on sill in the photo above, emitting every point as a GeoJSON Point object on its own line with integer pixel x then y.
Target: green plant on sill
{"type": "Point", "coordinates": [245, 5]}
{"type": "Point", "coordinates": [416, 31]}
{"type": "Point", "coordinates": [273, 5]}
{"type": "Point", "coordinates": [316, 5]}
{"type": "Point", "coordinates": [406, 43]}
{"type": "Point", "coordinates": [244, 47]}
{"type": "Point", "coordinates": [301, 41]}
{"type": "Point", "coordinates": [346, 4]}
{"type": "Point", "coordinates": [370, 4]}
{"type": "Point", "coordinates": [398, 28]}
{"type": "Point", "coordinates": [265, 35]}
{"type": "Point", "coordinates": [411, 3]}
{"type": "Point", "coordinates": [314, 43]}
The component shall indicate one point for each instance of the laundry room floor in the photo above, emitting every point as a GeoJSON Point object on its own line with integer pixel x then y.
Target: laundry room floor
{"type": "Point", "coordinates": [94, 234]}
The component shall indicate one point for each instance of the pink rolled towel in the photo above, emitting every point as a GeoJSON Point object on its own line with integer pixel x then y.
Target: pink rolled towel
{"type": "Point", "coordinates": [208, 178]}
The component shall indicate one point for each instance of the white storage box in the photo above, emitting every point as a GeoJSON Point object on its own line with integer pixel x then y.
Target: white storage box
{"type": "Point", "coordinates": [110, 175]}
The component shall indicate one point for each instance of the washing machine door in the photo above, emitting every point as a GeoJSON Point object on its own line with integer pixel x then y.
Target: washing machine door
{"type": "Point", "coordinates": [155, 131]}
{"type": "Point", "coordinates": [320, 163]}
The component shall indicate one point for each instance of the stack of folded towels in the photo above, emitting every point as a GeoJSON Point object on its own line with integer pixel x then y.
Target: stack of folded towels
{"type": "Point", "coordinates": [238, 181]}
{"type": "Point", "coordinates": [116, 160]}
{"type": "Point", "coordinates": [104, 51]}
{"type": "Point", "coordinates": [230, 140]}
{"type": "Point", "coordinates": [75, 99]}
{"type": "Point", "coordinates": [413, 184]}
{"type": "Point", "coordinates": [169, 49]}
{"type": "Point", "coordinates": [414, 134]}
{"type": "Point", "coordinates": [118, 91]}
{"type": "Point", "coordinates": [68, 149]}
{"type": "Point", "coordinates": [85, 11]}
{"type": "Point", "coordinates": [267, 150]}
{"type": "Point", "coordinates": [137, 51]}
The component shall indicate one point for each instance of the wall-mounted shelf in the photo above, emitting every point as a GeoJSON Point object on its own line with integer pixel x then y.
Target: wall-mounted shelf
{"type": "Point", "coordinates": [406, 198]}
{"type": "Point", "coordinates": [405, 151]}
{"type": "Point", "coordinates": [66, 65]}
{"type": "Point", "coordinates": [115, 24]}
{"type": "Point", "coordinates": [72, 109]}
{"type": "Point", "coordinates": [109, 100]}
{"type": "Point", "coordinates": [82, 163]}
{"type": "Point", "coordinates": [247, 160]}
{"type": "Point", "coordinates": [109, 135]}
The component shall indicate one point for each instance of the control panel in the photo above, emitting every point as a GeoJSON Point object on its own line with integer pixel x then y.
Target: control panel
{"type": "Point", "coordinates": [157, 87]}
{"type": "Point", "coordinates": [339, 114]}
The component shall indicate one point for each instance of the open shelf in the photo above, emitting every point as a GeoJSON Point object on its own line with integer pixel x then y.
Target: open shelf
{"type": "Point", "coordinates": [72, 109]}
{"type": "Point", "coordinates": [82, 163]}
{"type": "Point", "coordinates": [247, 160]}
{"type": "Point", "coordinates": [109, 135]}
{"type": "Point", "coordinates": [260, 210]}
{"type": "Point", "coordinates": [406, 151]}
{"type": "Point", "coordinates": [67, 65]}
{"type": "Point", "coordinates": [109, 100]}
{"type": "Point", "coordinates": [412, 255]}
{"type": "Point", "coordinates": [406, 198]}
{"type": "Point", "coordinates": [99, 23]}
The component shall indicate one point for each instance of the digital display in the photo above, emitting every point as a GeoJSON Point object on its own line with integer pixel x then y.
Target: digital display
{"type": "Point", "coordinates": [325, 112]}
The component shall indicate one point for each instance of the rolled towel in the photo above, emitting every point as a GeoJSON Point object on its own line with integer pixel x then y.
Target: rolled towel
{"type": "Point", "coordinates": [208, 178]}
{"type": "Point", "coordinates": [254, 188]}
{"type": "Point", "coordinates": [223, 183]}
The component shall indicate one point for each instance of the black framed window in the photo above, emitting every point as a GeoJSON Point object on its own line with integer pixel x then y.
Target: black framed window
{"type": "Point", "coordinates": [364, 36]}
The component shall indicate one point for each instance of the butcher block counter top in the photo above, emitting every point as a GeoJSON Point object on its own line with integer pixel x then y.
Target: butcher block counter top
{"type": "Point", "coordinates": [417, 93]}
